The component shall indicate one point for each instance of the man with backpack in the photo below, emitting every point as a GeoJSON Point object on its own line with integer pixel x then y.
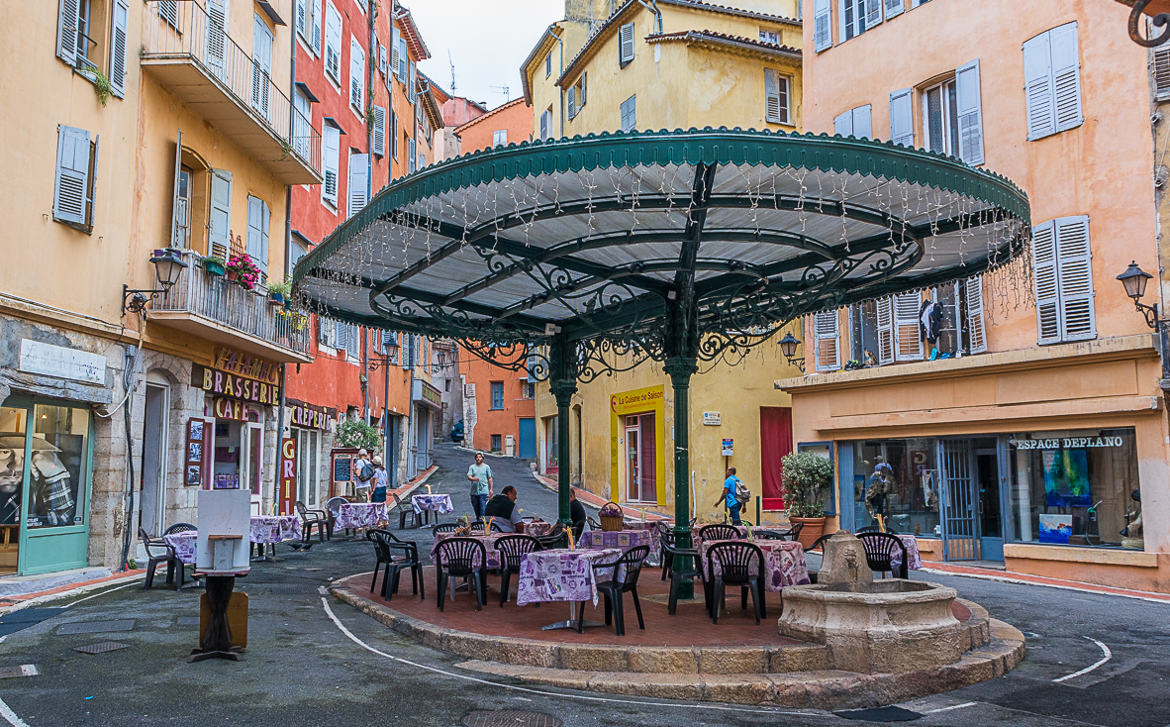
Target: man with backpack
{"type": "Point", "coordinates": [735, 494]}
{"type": "Point", "coordinates": [363, 473]}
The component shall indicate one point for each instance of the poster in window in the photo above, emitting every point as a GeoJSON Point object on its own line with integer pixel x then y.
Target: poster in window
{"type": "Point", "coordinates": [1055, 528]}
{"type": "Point", "coordinates": [1066, 477]}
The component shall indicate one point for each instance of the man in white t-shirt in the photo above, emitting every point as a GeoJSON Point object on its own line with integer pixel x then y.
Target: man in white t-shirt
{"type": "Point", "coordinates": [363, 474]}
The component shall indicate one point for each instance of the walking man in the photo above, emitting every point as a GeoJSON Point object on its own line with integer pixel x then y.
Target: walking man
{"type": "Point", "coordinates": [482, 487]}
{"type": "Point", "coordinates": [729, 496]}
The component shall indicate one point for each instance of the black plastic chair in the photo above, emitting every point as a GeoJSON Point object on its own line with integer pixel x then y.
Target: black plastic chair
{"type": "Point", "coordinates": [478, 527]}
{"type": "Point", "coordinates": [793, 533]}
{"type": "Point", "coordinates": [466, 558]}
{"type": "Point", "coordinates": [593, 524]}
{"type": "Point", "coordinates": [879, 553]}
{"type": "Point", "coordinates": [159, 552]}
{"type": "Point", "coordinates": [312, 519]}
{"type": "Point", "coordinates": [385, 545]}
{"type": "Point", "coordinates": [666, 538]}
{"type": "Point", "coordinates": [718, 532]}
{"type": "Point", "coordinates": [626, 570]}
{"type": "Point", "coordinates": [444, 528]}
{"type": "Point", "coordinates": [578, 530]}
{"type": "Point", "coordinates": [692, 572]}
{"type": "Point", "coordinates": [180, 528]}
{"type": "Point", "coordinates": [557, 538]}
{"type": "Point", "coordinates": [512, 549]}
{"type": "Point", "coordinates": [868, 529]}
{"type": "Point", "coordinates": [740, 564]}
{"type": "Point", "coordinates": [404, 511]}
{"type": "Point", "coordinates": [760, 534]}
{"type": "Point", "coordinates": [332, 508]}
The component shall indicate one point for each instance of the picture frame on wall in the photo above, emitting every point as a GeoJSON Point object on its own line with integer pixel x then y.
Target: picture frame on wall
{"type": "Point", "coordinates": [194, 475]}
{"type": "Point", "coordinates": [195, 430]}
{"type": "Point", "coordinates": [195, 452]}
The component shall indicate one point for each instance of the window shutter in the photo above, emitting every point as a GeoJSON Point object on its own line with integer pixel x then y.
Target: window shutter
{"type": "Point", "coordinates": [71, 190]}
{"type": "Point", "coordinates": [121, 11]}
{"type": "Point", "coordinates": [68, 17]}
{"type": "Point", "coordinates": [261, 64]}
{"type": "Point", "coordinates": [333, 42]}
{"type": "Point", "coordinates": [357, 75]}
{"type": "Point", "coordinates": [178, 213]}
{"type": "Point", "coordinates": [324, 332]}
{"type": "Point", "coordinates": [331, 141]}
{"type": "Point", "coordinates": [970, 112]}
{"type": "Point", "coordinates": [572, 101]}
{"type": "Point", "coordinates": [381, 58]}
{"type": "Point", "coordinates": [316, 20]}
{"type": "Point", "coordinates": [771, 96]}
{"type": "Point", "coordinates": [581, 91]}
{"type": "Point", "coordinates": [216, 46]}
{"type": "Point", "coordinates": [843, 124]}
{"type": "Point", "coordinates": [976, 332]}
{"type": "Point", "coordinates": [828, 342]}
{"type": "Point", "coordinates": [907, 331]}
{"type": "Point", "coordinates": [359, 174]}
{"type": "Point", "coordinates": [873, 13]}
{"type": "Point", "coordinates": [1038, 91]}
{"type": "Point", "coordinates": [410, 158]}
{"type": "Point", "coordinates": [380, 131]}
{"type": "Point", "coordinates": [1161, 72]}
{"type": "Point", "coordinates": [1044, 275]}
{"type": "Point", "coordinates": [1075, 276]}
{"type": "Point", "coordinates": [168, 10]}
{"type": "Point", "coordinates": [1066, 76]}
{"type": "Point", "coordinates": [885, 330]}
{"type": "Point", "coordinates": [403, 58]}
{"type": "Point", "coordinates": [255, 228]}
{"type": "Point", "coordinates": [902, 117]}
{"type": "Point", "coordinates": [863, 122]}
{"type": "Point", "coordinates": [300, 13]}
{"type": "Point", "coordinates": [822, 25]}
{"type": "Point", "coordinates": [393, 133]}
{"type": "Point", "coordinates": [353, 341]}
{"type": "Point", "coordinates": [544, 124]}
{"type": "Point", "coordinates": [626, 43]}
{"type": "Point", "coordinates": [394, 50]}
{"type": "Point", "coordinates": [220, 216]}
{"type": "Point", "coordinates": [412, 83]}
{"type": "Point", "coordinates": [894, 7]}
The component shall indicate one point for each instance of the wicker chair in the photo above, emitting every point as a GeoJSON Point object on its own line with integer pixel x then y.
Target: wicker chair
{"type": "Point", "coordinates": [462, 557]}
{"type": "Point", "coordinates": [626, 570]}
{"type": "Point", "coordinates": [740, 564]}
{"type": "Point", "coordinates": [512, 549]}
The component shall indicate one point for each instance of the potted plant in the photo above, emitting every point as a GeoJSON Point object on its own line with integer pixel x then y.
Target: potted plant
{"type": "Point", "coordinates": [278, 293]}
{"type": "Point", "coordinates": [214, 265]}
{"type": "Point", "coordinates": [805, 476]}
{"type": "Point", "coordinates": [243, 270]}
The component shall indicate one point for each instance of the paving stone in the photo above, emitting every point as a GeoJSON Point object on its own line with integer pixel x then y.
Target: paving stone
{"type": "Point", "coordinates": [739, 688]}
{"type": "Point", "coordinates": [588, 657]}
{"type": "Point", "coordinates": [472, 646]}
{"type": "Point", "coordinates": [730, 660]}
{"type": "Point", "coordinates": [671, 660]}
{"type": "Point", "coordinates": [527, 652]}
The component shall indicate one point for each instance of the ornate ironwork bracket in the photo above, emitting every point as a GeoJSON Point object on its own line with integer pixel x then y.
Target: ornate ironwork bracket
{"type": "Point", "coordinates": [1161, 20]}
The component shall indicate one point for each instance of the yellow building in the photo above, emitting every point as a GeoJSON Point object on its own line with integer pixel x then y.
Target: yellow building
{"type": "Point", "coordinates": [141, 126]}
{"type": "Point", "coordinates": [671, 64]}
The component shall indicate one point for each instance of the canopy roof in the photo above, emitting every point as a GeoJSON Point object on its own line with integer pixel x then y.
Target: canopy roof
{"type": "Point", "coordinates": [605, 237]}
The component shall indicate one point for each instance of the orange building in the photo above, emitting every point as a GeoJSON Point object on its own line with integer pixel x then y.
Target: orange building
{"type": "Point", "coordinates": [507, 124]}
{"type": "Point", "coordinates": [499, 407]}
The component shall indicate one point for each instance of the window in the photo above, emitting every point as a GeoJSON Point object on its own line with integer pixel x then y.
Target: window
{"type": "Point", "coordinates": [357, 78]}
{"type": "Point", "coordinates": [770, 36]}
{"type": "Point", "coordinates": [629, 113]}
{"type": "Point", "coordinates": [332, 43]}
{"type": "Point", "coordinates": [894, 7]}
{"type": "Point", "coordinates": [546, 123]}
{"type": "Point", "coordinates": [1052, 82]}
{"type": "Point", "coordinates": [822, 25]}
{"type": "Point", "coordinates": [527, 390]}
{"type": "Point", "coordinates": [625, 44]}
{"type": "Point", "coordinates": [777, 88]}
{"type": "Point", "coordinates": [940, 123]}
{"type": "Point", "coordinates": [345, 338]}
{"type": "Point", "coordinates": [411, 82]}
{"type": "Point", "coordinates": [81, 30]}
{"type": "Point", "coordinates": [828, 341]}
{"type": "Point", "coordinates": [952, 118]}
{"type": "Point", "coordinates": [577, 96]}
{"type": "Point", "coordinates": [548, 65]}
{"type": "Point", "coordinates": [308, 20]}
{"type": "Point", "coordinates": [379, 131]}
{"type": "Point", "coordinates": [499, 137]}
{"type": "Point", "coordinates": [496, 447]}
{"type": "Point", "coordinates": [1064, 280]}
{"type": "Point", "coordinates": [181, 234]}
{"type": "Point", "coordinates": [382, 60]}
{"type": "Point", "coordinates": [852, 18]}
{"type": "Point", "coordinates": [302, 123]}
{"type": "Point", "coordinates": [330, 158]}
{"type": "Point", "coordinates": [258, 226]}
{"type": "Point", "coordinates": [411, 155]}
{"type": "Point", "coordinates": [403, 59]}
{"type": "Point", "coordinates": [357, 187]}
{"type": "Point", "coordinates": [497, 395]}
{"type": "Point", "coordinates": [856, 122]}
{"type": "Point", "coordinates": [73, 191]}
{"type": "Point", "coordinates": [297, 250]}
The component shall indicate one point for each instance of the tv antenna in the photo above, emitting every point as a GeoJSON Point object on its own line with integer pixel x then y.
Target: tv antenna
{"type": "Point", "coordinates": [451, 62]}
{"type": "Point", "coordinates": [502, 89]}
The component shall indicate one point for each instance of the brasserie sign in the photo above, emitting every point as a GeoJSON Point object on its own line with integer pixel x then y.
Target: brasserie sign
{"type": "Point", "coordinates": [234, 386]}
{"type": "Point", "coordinates": [1067, 443]}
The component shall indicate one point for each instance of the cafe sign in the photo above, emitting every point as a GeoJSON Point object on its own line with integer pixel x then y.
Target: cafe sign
{"type": "Point", "coordinates": [1067, 443]}
{"type": "Point", "coordinates": [234, 409]}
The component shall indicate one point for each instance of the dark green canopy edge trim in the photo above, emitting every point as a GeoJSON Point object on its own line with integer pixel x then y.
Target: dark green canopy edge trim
{"type": "Point", "coordinates": [658, 148]}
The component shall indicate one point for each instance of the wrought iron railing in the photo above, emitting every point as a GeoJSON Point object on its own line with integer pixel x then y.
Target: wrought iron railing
{"type": "Point", "coordinates": [185, 31]}
{"type": "Point", "coordinates": [218, 299]}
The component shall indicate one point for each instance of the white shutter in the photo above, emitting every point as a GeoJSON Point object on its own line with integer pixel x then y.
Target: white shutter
{"type": "Point", "coordinates": [412, 82]}
{"type": "Point", "coordinates": [1066, 77]}
{"type": "Point", "coordinates": [68, 17]}
{"type": "Point", "coordinates": [359, 174]}
{"type": "Point", "coordinates": [381, 58]}
{"type": "Point", "coordinates": [315, 16]}
{"type": "Point", "coordinates": [572, 101]}
{"type": "Point", "coordinates": [216, 47]}
{"type": "Point", "coordinates": [902, 117]}
{"type": "Point", "coordinates": [326, 331]}
{"type": "Point", "coordinates": [301, 17]}
{"type": "Point", "coordinates": [772, 97]}
{"type": "Point", "coordinates": [1161, 72]}
{"type": "Point", "coordinates": [357, 76]}
{"type": "Point", "coordinates": [873, 13]}
{"type": "Point", "coordinates": [907, 330]}
{"type": "Point", "coordinates": [1038, 91]}
{"type": "Point", "coordinates": [179, 212]}
{"type": "Point", "coordinates": [403, 58]}
{"type": "Point", "coordinates": [257, 242]}
{"type": "Point", "coordinates": [411, 159]}
{"type": "Point", "coordinates": [626, 43]}
{"type": "Point", "coordinates": [822, 25]}
{"type": "Point", "coordinates": [1044, 277]}
{"type": "Point", "coordinates": [894, 7]}
{"type": "Point", "coordinates": [261, 64]}
{"type": "Point", "coordinates": [885, 330]}
{"type": "Point", "coordinates": [121, 11]}
{"type": "Point", "coordinates": [71, 190]}
{"type": "Point", "coordinates": [380, 131]}
{"type": "Point", "coordinates": [330, 151]}
{"type": "Point", "coordinates": [544, 124]}
{"type": "Point", "coordinates": [332, 42]}
{"type": "Point", "coordinates": [220, 216]}
{"type": "Point", "coordinates": [828, 341]}
{"type": "Point", "coordinates": [843, 124]}
{"type": "Point", "coordinates": [976, 332]}
{"type": "Point", "coordinates": [1075, 276]}
{"type": "Point", "coordinates": [168, 10]}
{"type": "Point", "coordinates": [863, 122]}
{"type": "Point", "coordinates": [970, 113]}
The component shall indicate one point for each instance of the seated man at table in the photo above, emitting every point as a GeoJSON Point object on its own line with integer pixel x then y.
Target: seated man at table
{"type": "Point", "coordinates": [503, 511]}
{"type": "Point", "coordinates": [576, 511]}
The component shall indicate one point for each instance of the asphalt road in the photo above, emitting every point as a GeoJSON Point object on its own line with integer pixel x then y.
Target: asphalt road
{"type": "Point", "coordinates": [312, 661]}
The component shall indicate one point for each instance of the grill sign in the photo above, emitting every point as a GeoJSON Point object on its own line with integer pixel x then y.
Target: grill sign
{"type": "Point", "coordinates": [1067, 443]}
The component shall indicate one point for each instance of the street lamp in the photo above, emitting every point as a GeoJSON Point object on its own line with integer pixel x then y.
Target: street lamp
{"type": "Point", "coordinates": [168, 264]}
{"type": "Point", "coordinates": [1134, 279]}
{"type": "Point", "coordinates": [388, 355]}
{"type": "Point", "coordinates": [788, 346]}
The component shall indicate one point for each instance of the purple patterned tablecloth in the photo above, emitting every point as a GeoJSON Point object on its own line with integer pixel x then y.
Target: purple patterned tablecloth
{"type": "Point", "coordinates": [184, 545]}
{"type": "Point", "coordinates": [489, 544]}
{"type": "Point", "coordinates": [432, 502]}
{"type": "Point", "coordinates": [783, 562]}
{"type": "Point", "coordinates": [913, 557]}
{"type": "Point", "coordinates": [360, 515]}
{"type": "Point", "coordinates": [623, 539]}
{"type": "Point", "coordinates": [274, 528]}
{"type": "Point", "coordinates": [561, 575]}
{"type": "Point", "coordinates": [538, 528]}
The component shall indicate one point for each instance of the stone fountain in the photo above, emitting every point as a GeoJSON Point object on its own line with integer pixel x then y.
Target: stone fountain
{"type": "Point", "coordinates": [892, 625]}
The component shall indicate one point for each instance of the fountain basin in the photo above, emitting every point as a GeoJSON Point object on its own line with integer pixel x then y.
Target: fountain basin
{"type": "Point", "coordinates": [884, 626]}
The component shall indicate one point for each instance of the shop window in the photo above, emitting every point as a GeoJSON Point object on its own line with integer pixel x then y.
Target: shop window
{"type": "Point", "coordinates": [56, 466]}
{"type": "Point", "coordinates": [1073, 487]}
{"type": "Point", "coordinates": [897, 479]}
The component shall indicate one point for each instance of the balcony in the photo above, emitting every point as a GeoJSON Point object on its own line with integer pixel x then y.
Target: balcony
{"type": "Point", "coordinates": [193, 56]}
{"type": "Point", "coordinates": [213, 308]}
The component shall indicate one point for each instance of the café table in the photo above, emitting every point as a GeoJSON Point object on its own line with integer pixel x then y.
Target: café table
{"type": "Point", "coordinates": [913, 557]}
{"type": "Point", "coordinates": [354, 515]}
{"type": "Point", "coordinates": [784, 563]}
{"type": "Point", "coordinates": [489, 544]}
{"type": "Point", "coordinates": [622, 539]}
{"type": "Point", "coordinates": [184, 545]}
{"type": "Point", "coordinates": [537, 528]}
{"type": "Point", "coordinates": [426, 503]}
{"type": "Point", "coordinates": [272, 529]}
{"type": "Point", "coordinates": [562, 575]}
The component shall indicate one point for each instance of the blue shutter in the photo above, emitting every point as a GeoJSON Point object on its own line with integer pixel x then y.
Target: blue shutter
{"type": "Point", "coordinates": [843, 124]}
{"type": "Point", "coordinates": [822, 25]}
{"type": "Point", "coordinates": [220, 215]}
{"type": "Point", "coordinates": [1066, 77]}
{"type": "Point", "coordinates": [380, 131]}
{"type": "Point", "coordinates": [1074, 273]}
{"type": "Point", "coordinates": [71, 190]}
{"type": "Point", "coordinates": [68, 18]}
{"type": "Point", "coordinates": [1038, 91]}
{"type": "Point", "coordinates": [1046, 287]}
{"type": "Point", "coordinates": [902, 117]}
{"type": "Point", "coordinates": [970, 113]}
{"type": "Point", "coordinates": [118, 41]}
{"type": "Point", "coordinates": [863, 122]}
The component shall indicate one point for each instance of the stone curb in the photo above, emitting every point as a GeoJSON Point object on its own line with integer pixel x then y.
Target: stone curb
{"type": "Point", "coordinates": [815, 689]}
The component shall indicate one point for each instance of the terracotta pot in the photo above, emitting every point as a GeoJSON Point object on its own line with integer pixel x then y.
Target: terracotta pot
{"type": "Point", "coordinates": [232, 275]}
{"type": "Point", "coordinates": [813, 528]}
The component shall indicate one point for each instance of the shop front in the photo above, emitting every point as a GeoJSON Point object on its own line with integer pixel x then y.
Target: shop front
{"type": "Point", "coordinates": [637, 462]}
{"type": "Point", "coordinates": [309, 425]}
{"type": "Point", "coordinates": [427, 402]}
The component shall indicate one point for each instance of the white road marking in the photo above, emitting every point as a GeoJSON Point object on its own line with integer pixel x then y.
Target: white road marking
{"type": "Point", "coordinates": [1090, 667]}
{"type": "Point", "coordinates": [10, 716]}
{"type": "Point", "coordinates": [964, 705]}
{"type": "Point", "coordinates": [529, 690]}
{"type": "Point", "coordinates": [109, 590]}
{"type": "Point", "coordinates": [1022, 582]}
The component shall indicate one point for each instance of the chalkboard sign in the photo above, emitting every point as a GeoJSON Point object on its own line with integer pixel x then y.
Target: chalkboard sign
{"type": "Point", "coordinates": [342, 469]}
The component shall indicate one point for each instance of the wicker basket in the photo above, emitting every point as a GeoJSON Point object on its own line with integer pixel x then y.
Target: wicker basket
{"type": "Point", "coordinates": [611, 523]}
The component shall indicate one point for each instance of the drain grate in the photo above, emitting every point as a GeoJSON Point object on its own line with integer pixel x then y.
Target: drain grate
{"type": "Point", "coordinates": [101, 647]}
{"type": "Point", "coordinates": [24, 670]}
{"type": "Point", "coordinates": [510, 718]}
{"type": "Point", "coordinates": [95, 627]}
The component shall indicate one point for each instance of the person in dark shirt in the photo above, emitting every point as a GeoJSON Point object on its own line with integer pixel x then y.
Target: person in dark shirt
{"type": "Point", "coordinates": [503, 511]}
{"type": "Point", "coordinates": [576, 509]}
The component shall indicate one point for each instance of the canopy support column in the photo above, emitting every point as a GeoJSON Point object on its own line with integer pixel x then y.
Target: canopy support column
{"type": "Point", "coordinates": [563, 383]}
{"type": "Point", "coordinates": [680, 370]}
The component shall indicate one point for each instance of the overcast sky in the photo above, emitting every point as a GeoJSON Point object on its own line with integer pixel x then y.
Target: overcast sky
{"type": "Point", "coordinates": [487, 39]}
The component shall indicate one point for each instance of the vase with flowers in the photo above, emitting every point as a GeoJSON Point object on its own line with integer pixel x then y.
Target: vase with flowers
{"type": "Point", "coordinates": [243, 271]}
